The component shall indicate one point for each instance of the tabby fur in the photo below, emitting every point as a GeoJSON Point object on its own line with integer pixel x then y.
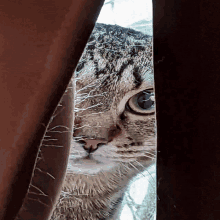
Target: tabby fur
{"type": "Point", "coordinates": [115, 66]}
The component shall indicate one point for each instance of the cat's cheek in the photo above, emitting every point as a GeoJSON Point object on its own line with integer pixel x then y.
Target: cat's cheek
{"type": "Point", "coordinates": [139, 131]}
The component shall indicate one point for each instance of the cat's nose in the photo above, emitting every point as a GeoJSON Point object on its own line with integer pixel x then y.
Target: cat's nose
{"type": "Point", "coordinates": [92, 145]}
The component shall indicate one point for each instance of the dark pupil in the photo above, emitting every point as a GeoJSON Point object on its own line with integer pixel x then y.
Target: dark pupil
{"type": "Point", "coordinates": [144, 100]}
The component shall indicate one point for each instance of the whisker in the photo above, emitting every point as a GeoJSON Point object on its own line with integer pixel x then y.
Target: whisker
{"type": "Point", "coordinates": [135, 167]}
{"type": "Point", "coordinates": [146, 169]}
{"type": "Point", "coordinates": [50, 175]}
{"type": "Point", "coordinates": [125, 166]}
{"type": "Point", "coordinates": [153, 158]}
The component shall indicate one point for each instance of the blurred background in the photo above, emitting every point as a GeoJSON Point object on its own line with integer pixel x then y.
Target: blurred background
{"type": "Point", "coordinates": [135, 14]}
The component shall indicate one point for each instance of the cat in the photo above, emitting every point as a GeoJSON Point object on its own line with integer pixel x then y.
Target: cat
{"type": "Point", "coordinates": [114, 131]}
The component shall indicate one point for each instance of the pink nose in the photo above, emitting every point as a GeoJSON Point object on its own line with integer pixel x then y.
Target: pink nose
{"type": "Point", "coordinates": [92, 144]}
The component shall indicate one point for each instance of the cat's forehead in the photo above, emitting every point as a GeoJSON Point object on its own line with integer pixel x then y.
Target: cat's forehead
{"type": "Point", "coordinates": [115, 62]}
{"type": "Point", "coordinates": [114, 83]}
{"type": "Point", "coordinates": [123, 78]}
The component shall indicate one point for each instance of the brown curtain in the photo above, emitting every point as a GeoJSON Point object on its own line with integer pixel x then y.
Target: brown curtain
{"type": "Point", "coordinates": [40, 44]}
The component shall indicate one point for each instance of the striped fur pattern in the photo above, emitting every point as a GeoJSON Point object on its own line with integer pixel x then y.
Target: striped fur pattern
{"type": "Point", "coordinates": [115, 67]}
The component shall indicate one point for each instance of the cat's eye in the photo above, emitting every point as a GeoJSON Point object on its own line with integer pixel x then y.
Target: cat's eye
{"type": "Point", "coordinates": [142, 103]}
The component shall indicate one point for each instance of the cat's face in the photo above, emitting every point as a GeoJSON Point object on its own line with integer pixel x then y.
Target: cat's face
{"type": "Point", "coordinates": [114, 128]}
{"type": "Point", "coordinates": [114, 113]}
